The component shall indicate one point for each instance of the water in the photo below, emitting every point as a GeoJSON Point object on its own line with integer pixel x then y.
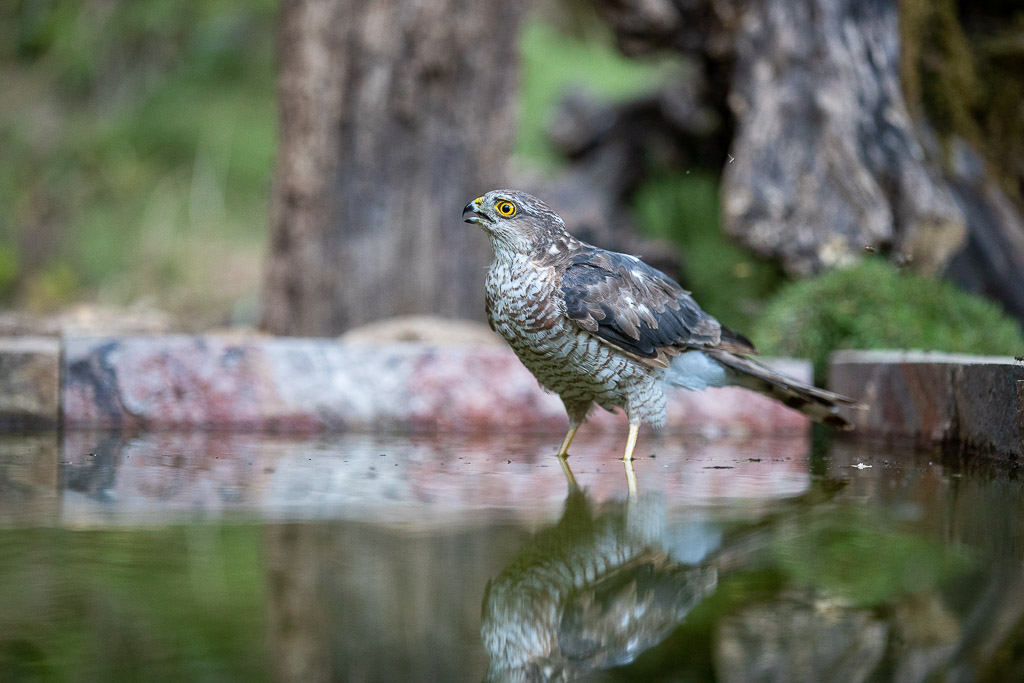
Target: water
{"type": "Point", "coordinates": [206, 557]}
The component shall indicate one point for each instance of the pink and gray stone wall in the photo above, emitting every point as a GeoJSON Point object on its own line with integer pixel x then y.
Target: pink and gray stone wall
{"type": "Point", "coordinates": [292, 385]}
{"type": "Point", "coordinates": [308, 385]}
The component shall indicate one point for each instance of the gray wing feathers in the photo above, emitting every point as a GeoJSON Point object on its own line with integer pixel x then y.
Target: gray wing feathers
{"type": "Point", "coordinates": [637, 308]}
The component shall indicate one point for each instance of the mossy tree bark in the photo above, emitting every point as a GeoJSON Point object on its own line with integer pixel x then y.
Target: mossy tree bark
{"type": "Point", "coordinates": [855, 124]}
{"type": "Point", "coordinates": [827, 160]}
{"type": "Point", "coordinates": [392, 116]}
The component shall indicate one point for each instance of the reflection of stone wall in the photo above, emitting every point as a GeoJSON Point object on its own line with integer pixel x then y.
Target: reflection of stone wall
{"type": "Point", "coordinates": [356, 602]}
{"type": "Point", "coordinates": [807, 635]}
{"type": "Point", "coordinates": [379, 549]}
{"type": "Point", "coordinates": [29, 493]}
{"type": "Point", "coordinates": [431, 480]}
{"type": "Point", "coordinates": [968, 504]}
{"type": "Point", "coordinates": [153, 477]}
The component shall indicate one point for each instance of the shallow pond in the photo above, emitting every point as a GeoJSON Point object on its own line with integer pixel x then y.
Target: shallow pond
{"type": "Point", "coordinates": [208, 557]}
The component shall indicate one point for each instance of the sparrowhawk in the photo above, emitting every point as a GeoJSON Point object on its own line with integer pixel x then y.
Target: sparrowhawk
{"type": "Point", "coordinates": [599, 327]}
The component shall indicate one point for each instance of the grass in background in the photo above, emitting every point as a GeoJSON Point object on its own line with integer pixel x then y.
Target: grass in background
{"type": "Point", "coordinates": [139, 140]}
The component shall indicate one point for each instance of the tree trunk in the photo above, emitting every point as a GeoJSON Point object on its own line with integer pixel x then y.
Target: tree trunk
{"type": "Point", "coordinates": [827, 160]}
{"type": "Point", "coordinates": [393, 115]}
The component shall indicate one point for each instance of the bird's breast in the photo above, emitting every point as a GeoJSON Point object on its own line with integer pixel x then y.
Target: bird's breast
{"type": "Point", "coordinates": [523, 302]}
{"type": "Point", "coordinates": [526, 308]}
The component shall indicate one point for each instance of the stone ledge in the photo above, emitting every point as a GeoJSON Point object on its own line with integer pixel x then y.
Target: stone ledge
{"type": "Point", "coordinates": [974, 402]}
{"type": "Point", "coordinates": [307, 385]}
{"type": "Point", "coordinates": [29, 382]}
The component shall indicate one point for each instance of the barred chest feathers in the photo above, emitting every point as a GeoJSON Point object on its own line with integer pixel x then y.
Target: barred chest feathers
{"type": "Point", "coordinates": [525, 307]}
{"type": "Point", "coordinates": [522, 304]}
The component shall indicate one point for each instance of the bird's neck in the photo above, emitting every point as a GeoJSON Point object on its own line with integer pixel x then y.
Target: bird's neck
{"type": "Point", "coordinates": [508, 245]}
{"type": "Point", "coordinates": [539, 247]}
{"type": "Point", "coordinates": [510, 264]}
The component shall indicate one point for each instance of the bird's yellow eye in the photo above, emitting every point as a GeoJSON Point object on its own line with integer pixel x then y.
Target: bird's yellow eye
{"type": "Point", "coordinates": [506, 209]}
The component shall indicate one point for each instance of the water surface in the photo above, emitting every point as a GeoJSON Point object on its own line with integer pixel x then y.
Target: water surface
{"type": "Point", "coordinates": [215, 557]}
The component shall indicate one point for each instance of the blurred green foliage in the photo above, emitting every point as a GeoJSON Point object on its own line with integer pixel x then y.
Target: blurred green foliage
{"type": "Point", "coordinates": [141, 135]}
{"type": "Point", "coordinates": [875, 305]}
{"type": "Point", "coordinates": [853, 555]}
{"type": "Point", "coordinates": [555, 62]}
{"type": "Point", "coordinates": [138, 139]}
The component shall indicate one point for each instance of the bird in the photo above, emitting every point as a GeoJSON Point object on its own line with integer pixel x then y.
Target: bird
{"type": "Point", "coordinates": [593, 591]}
{"type": "Point", "coordinates": [602, 328]}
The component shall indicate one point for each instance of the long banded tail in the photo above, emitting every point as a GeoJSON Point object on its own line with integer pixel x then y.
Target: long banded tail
{"type": "Point", "coordinates": [818, 404]}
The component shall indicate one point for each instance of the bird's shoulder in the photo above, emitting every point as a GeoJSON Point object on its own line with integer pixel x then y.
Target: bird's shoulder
{"type": "Point", "coordinates": [635, 307]}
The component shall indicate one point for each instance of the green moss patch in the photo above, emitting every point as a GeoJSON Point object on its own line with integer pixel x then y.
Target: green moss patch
{"type": "Point", "coordinates": [874, 305]}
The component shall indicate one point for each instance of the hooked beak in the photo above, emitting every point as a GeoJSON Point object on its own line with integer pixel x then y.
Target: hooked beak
{"type": "Point", "coordinates": [472, 213]}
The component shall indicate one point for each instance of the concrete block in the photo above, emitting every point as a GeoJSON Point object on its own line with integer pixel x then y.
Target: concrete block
{"type": "Point", "coordinates": [29, 382]}
{"type": "Point", "coordinates": [974, 402]}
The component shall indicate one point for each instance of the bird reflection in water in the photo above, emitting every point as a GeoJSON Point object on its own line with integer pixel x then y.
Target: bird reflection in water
{"type": "Point", "coordinates": [593, 591]}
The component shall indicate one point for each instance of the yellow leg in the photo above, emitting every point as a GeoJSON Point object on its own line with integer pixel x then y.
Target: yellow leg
{"type": "Point", "coordinates": [563, 450]}
{"type": "Point", "coordinates": [627, 458]}
{"type": "Point", "coordinates": [563, 455]}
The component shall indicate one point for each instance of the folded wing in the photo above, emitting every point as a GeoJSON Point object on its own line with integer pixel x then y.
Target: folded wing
{"type": "Point", "coordinates": [626, 303]}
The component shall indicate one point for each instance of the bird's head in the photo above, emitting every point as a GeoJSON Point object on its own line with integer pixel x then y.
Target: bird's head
{"type": "Point", "coordinates": [514, 220]}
